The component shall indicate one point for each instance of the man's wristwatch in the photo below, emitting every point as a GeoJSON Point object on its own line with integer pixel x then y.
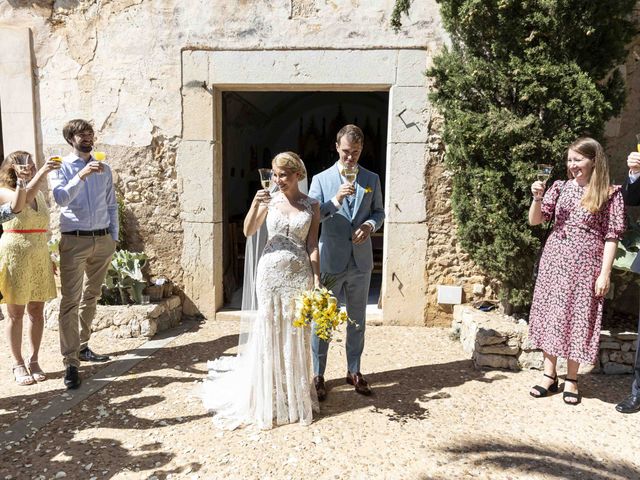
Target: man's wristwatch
{"type": "Point", "coordinates": [20, 183]}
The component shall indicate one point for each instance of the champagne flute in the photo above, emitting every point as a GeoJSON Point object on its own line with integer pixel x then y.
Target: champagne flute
{"type": "Point", "coordinates": [350, 173]}
{"type": "Point", "coordinates": [544, 172]}
{"type": "Point", "coordinates": [22, 163]}
{"type": "Point", "coordinates": [100, 157]}
{"type": "Point", "coordinates": [265, 178]}
{"type": "Point", "coordinates": [638, 142]}
{"type": "Point", "coordinates": [56, 156]}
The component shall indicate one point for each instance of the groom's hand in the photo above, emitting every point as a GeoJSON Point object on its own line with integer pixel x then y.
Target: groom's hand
{"type": "Point", "coordinates": [345, 190]}
{"type": "Point", "coordinates": [361, 234]}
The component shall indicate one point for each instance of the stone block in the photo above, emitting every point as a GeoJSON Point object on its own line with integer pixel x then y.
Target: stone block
{"type": "Point", "coordinates": [604, 357]}
{"type": "Point", "coordinates": [202, 277]}
{"type": "Point", "coordinates": [303, 67]}
{"type": "Point", "coordinates": [498, 349]}
{"type": "Point", "coordinates": [634, 346]}
{"type": "Point", "coordinates": [489, 336]}
{"type": "Point", "coordinates": [611, 368]}
{"type": "Point", "coordinates": [611, 345]}
{"type": "Point", "coordinates": [410, 115]}
{"type": "Point", "coordinates": [173, 302]}
{"type": "Point", "coordinates": [495, 361]}
{"type": "Point", "coordinates": [622, 357]}
{"type": "Point", "coordinates": [626, 346]}
{"type": "Point", "coordinates": [409, 204]}
{"type": "Point", "coordinates": [148, 327]}
{"type": "Point", "coordinates": [531, 359]}
{"type": "Point", "coordinates": [195, 165]}
{"type": "Point", "coordinates": [626, 336]}
{"type": "Point", "coordinates": [156, 310]}
{"type": "Point", "coordinates": [412, 65]}
{"type": "Point", "coordinates": [405, 288]}
{"type": "Point", "coordinates": [164, 322]}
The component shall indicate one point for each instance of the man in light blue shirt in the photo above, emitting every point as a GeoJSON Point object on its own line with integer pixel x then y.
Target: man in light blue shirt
{"type": "Point", "coordinates": [83, 187]}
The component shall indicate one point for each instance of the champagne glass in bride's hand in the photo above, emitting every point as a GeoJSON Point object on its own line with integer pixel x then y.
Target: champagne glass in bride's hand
{"type": "Point", "coordinates": [100, 157]}
{"type": "Point", "coordinates": [265, 178]}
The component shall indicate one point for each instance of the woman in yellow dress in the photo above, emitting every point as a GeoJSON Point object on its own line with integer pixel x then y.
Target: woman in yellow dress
{"type": "Point", "coordinates": [26, 270]}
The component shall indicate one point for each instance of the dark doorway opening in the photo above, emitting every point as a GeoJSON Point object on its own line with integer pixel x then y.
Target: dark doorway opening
{"type": "Point", "coordinates": [258, 125]}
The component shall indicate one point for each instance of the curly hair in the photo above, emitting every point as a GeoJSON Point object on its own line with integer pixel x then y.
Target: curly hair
{"type": "Point", "coordinates": [291, 161]}
{"type": "Point", "coordinates": [8, 177]}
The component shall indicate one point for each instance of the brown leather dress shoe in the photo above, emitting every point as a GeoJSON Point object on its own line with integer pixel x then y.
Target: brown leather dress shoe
{"type": "Point", "coordinates": [321, 390]}
{"type": "Point", "coordinates": [358, 381]}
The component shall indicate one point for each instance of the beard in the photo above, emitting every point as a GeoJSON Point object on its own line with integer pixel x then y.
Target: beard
{"type": "Point", "coordinates": [84, 148]}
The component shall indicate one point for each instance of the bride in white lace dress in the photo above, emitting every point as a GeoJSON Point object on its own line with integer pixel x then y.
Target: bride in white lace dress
{"type": "Point", "coordinates": [270, 381]}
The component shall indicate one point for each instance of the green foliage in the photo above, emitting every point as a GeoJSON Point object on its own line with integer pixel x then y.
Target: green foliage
{"type": "Point", "coordinates": [521, 80]}
{"type": "Point", "coordinates": [628, 248]}
{"type": "Point", "coordinates": [125, 273]}
{"type": "Point", "coordinates": [400, 7]}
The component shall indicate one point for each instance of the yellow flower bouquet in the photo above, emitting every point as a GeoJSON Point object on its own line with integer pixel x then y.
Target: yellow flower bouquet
{"type": "Point", "coordinates": [320, 306]}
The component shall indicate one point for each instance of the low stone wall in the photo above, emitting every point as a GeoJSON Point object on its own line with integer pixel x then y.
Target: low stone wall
{"type": "Point", "coordinates": [497, 341]}
{"type": "Point", "coordinates": [127, 320]}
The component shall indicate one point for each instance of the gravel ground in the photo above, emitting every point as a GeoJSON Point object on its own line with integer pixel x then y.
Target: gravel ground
{"type": "Point", "coordinates": [432, 416]}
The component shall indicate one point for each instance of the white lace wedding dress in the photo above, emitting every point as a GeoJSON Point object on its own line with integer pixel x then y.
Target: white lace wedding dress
{"type": "Point", "coordinates": [270, 381]}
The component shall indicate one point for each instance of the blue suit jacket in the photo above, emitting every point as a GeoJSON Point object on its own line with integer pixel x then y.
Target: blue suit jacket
{"type": "Point", "coordinates": [338, 224]}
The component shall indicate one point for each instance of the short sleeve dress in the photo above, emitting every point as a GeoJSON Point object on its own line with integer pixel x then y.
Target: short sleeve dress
{"type": "Point", "coordinates": [566, 315]}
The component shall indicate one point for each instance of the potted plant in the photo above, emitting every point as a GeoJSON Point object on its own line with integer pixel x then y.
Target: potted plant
{"type": "Point", "coordinates": [125, 275]}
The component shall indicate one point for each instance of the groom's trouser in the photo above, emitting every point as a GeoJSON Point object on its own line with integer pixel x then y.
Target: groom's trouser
{"type": "Point", "coordinates": [352, 288]}
{"type": "Point", "coordinates": [635, 389]}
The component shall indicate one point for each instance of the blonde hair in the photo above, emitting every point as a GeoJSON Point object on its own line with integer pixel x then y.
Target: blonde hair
{"type": "Point", "coordinates": [291, 161]}
{"type": "Point", "coordinates": [597, 192]}
{"type": "Point", "coordinates": [8, 177]}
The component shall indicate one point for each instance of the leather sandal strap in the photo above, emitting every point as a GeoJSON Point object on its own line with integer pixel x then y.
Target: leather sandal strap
{"type": "Point", "coordinates": [541, 390]}
{"type": "Point", "coordinates": [549, 376]}
{"type": "Point", "coordinates": [571, 380]}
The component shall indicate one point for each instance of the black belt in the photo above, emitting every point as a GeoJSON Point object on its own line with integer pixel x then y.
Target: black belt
{"type": "Point", "coordinates": [88, 233]}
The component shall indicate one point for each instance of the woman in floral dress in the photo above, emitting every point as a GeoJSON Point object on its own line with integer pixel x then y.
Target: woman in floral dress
{"type": "Point", "coordinates": [576, 263]}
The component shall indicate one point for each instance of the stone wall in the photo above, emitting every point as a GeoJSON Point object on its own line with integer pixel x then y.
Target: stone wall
{"type": "Point", "coordinates": [497, 341]}
{"type": "Point", "coordinates": [124, 321]}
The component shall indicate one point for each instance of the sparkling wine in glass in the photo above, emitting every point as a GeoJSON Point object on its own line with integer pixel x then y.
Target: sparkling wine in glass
{"type": "Point", "coordinates": [638, 142]}
{"type": "Point", "coordinates": [100, 157]}
{"type": "Point", "coordinates": [350, 174]}
{"type": "Point", "coordinates": [56, 154]}
{"type": "Point", "coordinates": [265, 178]}
{"type": "Point", "coordinates": [543, 172]}
{"type": "Point", "coordinates": [22, 164]}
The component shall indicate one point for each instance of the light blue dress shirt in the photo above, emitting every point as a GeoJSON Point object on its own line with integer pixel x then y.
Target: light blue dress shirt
{"type": "Point", "coordinates": [88, 204]}
{"type": "Point", "coordinates": [6, 213]}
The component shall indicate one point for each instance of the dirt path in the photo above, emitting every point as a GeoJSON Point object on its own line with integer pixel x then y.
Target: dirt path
{"type": "Point", "coordinates": [433, 416]}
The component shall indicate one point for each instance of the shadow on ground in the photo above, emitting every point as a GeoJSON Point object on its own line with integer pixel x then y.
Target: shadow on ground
{"type": "Point", "coordinates": [523, 461]}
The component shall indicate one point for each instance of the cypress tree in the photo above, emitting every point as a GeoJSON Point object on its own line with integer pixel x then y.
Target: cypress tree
{"type": "Point", "coordinates": [520, 81]}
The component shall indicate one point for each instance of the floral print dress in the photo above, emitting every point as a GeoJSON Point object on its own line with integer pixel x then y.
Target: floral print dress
{"type": "Point", "coordinates": [566, 315]}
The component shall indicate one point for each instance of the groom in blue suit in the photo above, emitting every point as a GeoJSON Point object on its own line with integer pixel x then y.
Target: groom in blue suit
{"type": "Point", "coordinates": [349, 213]}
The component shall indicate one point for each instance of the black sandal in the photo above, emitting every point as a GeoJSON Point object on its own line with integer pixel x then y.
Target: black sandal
{"type": "Point", "coordinates": [553, 388]}
{"type": "Point", "coordinates": [568, 395]}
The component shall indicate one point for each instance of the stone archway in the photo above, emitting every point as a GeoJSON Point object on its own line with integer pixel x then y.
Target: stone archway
{"type": "Point", "coordinates": [206, 74]}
